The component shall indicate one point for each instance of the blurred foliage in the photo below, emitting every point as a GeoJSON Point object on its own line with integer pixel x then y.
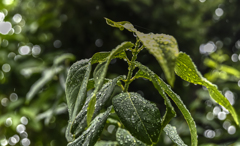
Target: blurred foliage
{"type": "Point", "coordinates": [77, 27]}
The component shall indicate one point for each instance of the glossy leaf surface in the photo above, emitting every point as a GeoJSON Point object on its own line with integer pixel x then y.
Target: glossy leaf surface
{"type": "Point", "coordinates": [173, 135]}
{"type": "Point", "coordinates": [101, 99]}
{"type": "Point", "coordinates": [177, 100]}
{"type": "Point", "coordinates": [125, 138]}
{"type": "Point", "coordinates": [139, 116]}
{"type": "Point", "coordinates": [90, 136]}
{"type": "Point", "coordinates": [187, 70]}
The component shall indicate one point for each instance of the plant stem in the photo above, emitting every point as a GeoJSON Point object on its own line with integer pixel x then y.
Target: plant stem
{"type": "Point", "coordinates": [131, 64]}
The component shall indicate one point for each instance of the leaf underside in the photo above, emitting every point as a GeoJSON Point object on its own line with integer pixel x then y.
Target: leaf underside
{"type": "Point", "coordinates": [173, 135]}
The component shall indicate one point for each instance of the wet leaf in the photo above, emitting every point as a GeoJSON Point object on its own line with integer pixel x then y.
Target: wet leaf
{"type": "Point", "coordinates": [165, 49]}
{"type": "Point", "coordinates": [121, 25]}
{"type": "Point", "coordinates": [76, 89]}
{"type": "Point", "coordinates": [90, 136]}
{"type": "Point", "coordinates": [102, 97]}
{"type": "Point", "coordinates": [177, 100]}
{"type": "Point", "coordinates": [187, 70]}
{"type": "Point", "coordinates": [173, 135]}
{"type": "Point", "coordinates": [139, 116]}
{"type": "Point", "coordinates": [145, 72]}
{"type": "Point", "coordinates": [124, 138]}
{"type": "Point", "coordinates": [101, 70]}
{"type": "Point", "coordinates": [47, 76]}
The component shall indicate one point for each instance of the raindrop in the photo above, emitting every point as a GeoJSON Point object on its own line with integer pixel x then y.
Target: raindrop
{"type": "Point", "coordinates": [12, 141]}
{"type": "Point", "coordinates": [24, 120]}
{"type": "Point", "coordinates": [36, 50]}
{"type": "Point", "coordinates": [7, 2]}
{"type": "Point", "coordinates": [5, 27]}
{"type": "Point", "coordinates": [17, 29]}
{"type": "Point", "coordinates": [20, 128]}
{"type": "Point", "coordinates": [99, 43]}
{"type": "Point", "coordinates": [226, 124]}
{"type": "Point", "coordinates": [25, 142]}
{"type": "Point", "coordinates": [57, 43]}
{"type": "Point", "coordinates": [4, 102]}
{"type": "Point", "coordinates": [24, 50]}
{"type": "Point", "coordinates": [6, 67]}
{"type": "Point", "coordinates": [13, 97]}
{"type": "Point", "coordinates": [23, 134]}
{"type": "Point", "coordinates": [2, 16]}
{"type": "Point", "coordinates": [4, 43]}
{"type": "Point", "coordinates": [110, 128]}
{"type": "Point", "coordinates": [231, 130]}
{"type": "Point", "coordinates": [210, 116]}
{"type": "Point", "coordinates": [219, 12]}
{"type": "Point", "coordinates": [234, 57]}
{"type": "Point", "coordinates": [202, 1]}
{"type": "Point", "coordinates": [221, 115]}
{"type": "Point", "coordinates": [17, 18]}
{"type": "Point", "coordinates": [4, 142]}
{"type": "Point", "coordinates": [8, 122]}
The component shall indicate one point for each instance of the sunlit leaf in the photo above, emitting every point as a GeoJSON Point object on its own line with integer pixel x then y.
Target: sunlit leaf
{"type": "Point", "coordinates": [186, 69]}
{"type": "Point", "coordinates": [90, 135]}
{"type": "Point", "coordinates": [177, 100]}
{"type": "Point", "coordinates": [125, 138]}
{"type": "Point", "coordinates": [139, 116]}
{"type": "Point", "coordinates": [173, 135]}
{"type": "Point", "coordinates": [165, 49]}
{"type": "Point", "coordinates": [121, 25]}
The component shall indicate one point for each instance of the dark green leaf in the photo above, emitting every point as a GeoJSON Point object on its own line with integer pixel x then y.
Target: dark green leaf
{"type": "Point", "coordinates": [145, 72]}
{"type": "Point", "coordinates": [173, 135]}
{"type": "Point", "coordinates": [90, 136]}
{"type": "Point", "coordinates": [187, 70]}
{"type": "Point", "coordinates": [102, 98]}
{"type": "Point", "coordinates": [139, 116]}
{"type": "Point", "coordinates": [177, 100]}
{"type": "Point", "coordinates": [124, 138]}
{"type": "Point", "coordinates": [90, 109]}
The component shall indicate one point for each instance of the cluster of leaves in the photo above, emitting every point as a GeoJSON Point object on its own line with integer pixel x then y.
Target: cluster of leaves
{"type": "Point", "coordinates": [141, 122]}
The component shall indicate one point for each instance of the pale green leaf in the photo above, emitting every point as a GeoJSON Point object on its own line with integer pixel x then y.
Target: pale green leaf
{"type": "Point", "coordinates": [139, 116]}
{"type": "Point", "coordinates": [47, 76]}
{"type": "Point", "coordinates": [177, 100]}
{"type": "Point", "coordinates": [63, 57]}
{"type": "Point", "coordinates": [165, 49]}
{"type": "Point", "coordinates": [90, 136]}
{"type": "Point", "coordinates": [121, 25]}
{"type": "Point", "coordinates": [106, 143]}
{"type": "Point", "coordinates": [90, 109]}
{"type": "Point", "coordinates": [173, 135]}
{"type": "Point", "coordinates": [125, 138]}
{"type": "Point", "coordinates": [186, 69]}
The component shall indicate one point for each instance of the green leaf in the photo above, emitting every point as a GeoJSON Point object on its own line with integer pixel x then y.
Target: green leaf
{"type": "Point", "coordinates": [76, 89]}
{"type": "Point", "coordinates": [121, 25]}
{"type": "Point", "coordinates": [106, 143]}
{"type": "Point", "coordinates": [187, 70]}
{"type": "Point", "coordinates": [102, 97]}
{"type": "Point", "coordinates": [90, 109]}
{"type": "Point", "coordinates": [124, 138]}
{"type": "Point", "coordinates": [173, 135]}
{"type": "Point", "coordinates": [47, 76]}
{"type": "Point", "coordinates": [145, 72]}
{"type": "Point", "coordinates": [177, 100]}
{"type": "Point", "coordinates": [63, 57]}
{"type": "Point", "coordinates": [90, 136]}
{"type": "Point", "coordinates": [165, 49]}
{"type": "Point", "coordinates": [76, 86]}
{"type": "Point", "coordinates": [138, 115]}
{"type": "Point", "coordinates": [101, 70]}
